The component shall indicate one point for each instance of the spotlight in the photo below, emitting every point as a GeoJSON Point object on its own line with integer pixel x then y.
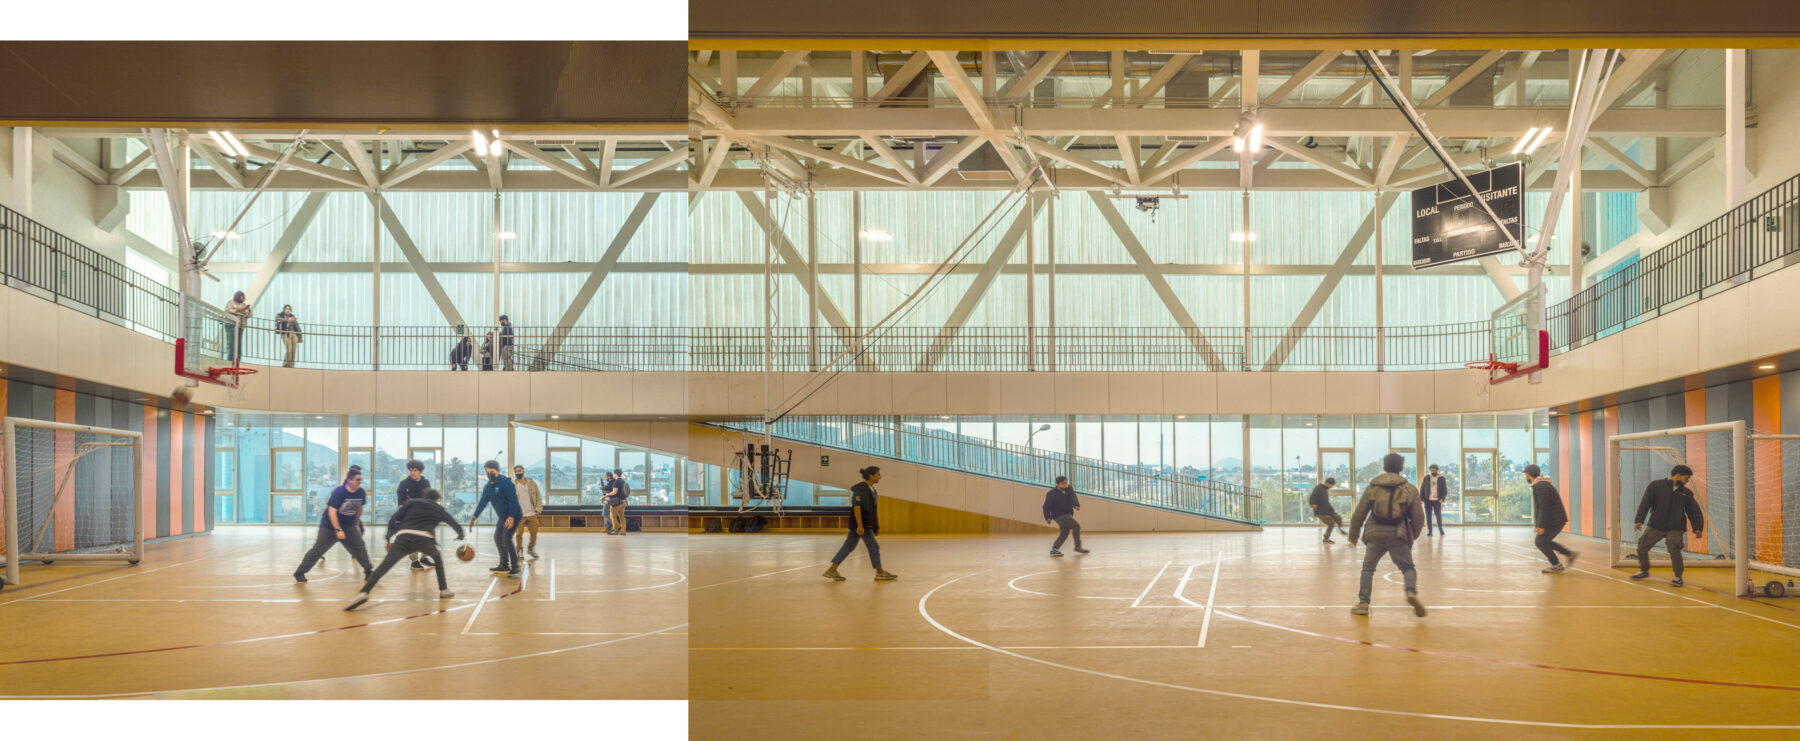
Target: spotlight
{"type": "Point", "coordinates": [1248, 135]}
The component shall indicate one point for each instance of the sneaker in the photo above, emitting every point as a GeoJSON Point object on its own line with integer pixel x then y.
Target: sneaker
{"type": "Point", "coordinates": [499, 570]}
{"type": "Point", "coordinates": [833, 575]}
{"type": "Point", "coordinates": [1418, 607]}
{"type": "Point", "coordinates": [428, 561]}
{"type": "Point", "coordinates": [300, 576]}
{"type": "Point", "coordinates": [514, 574]}
{"type": "Point", "coordinates": [1675, 582]}
{"type": "Point", "coordinates": [1056, 553]}
{"type": "Point", "coordinates": [419, 566]}
{"type": "Point", "coordinates": [1557, 569]}
{"type": "Point", "coordinates": [885, 576]}
{"type": "Point", "coordinates": [361, 597]}
{"type": "Point", "coordinates": [445, 594]}
{"type": "Point", "coordinates": [1641, 575]}
{"type": "Point", "coordinates": [1361, 608]}
{"type": "Point", "coordinates": [531, 552]}
{"type": "Point", "coordinates": [1569, 559]}
{"type": "Point", "coordinates": [1081, 550]}
{"type": "Point", "coordinates": [1328, 540]}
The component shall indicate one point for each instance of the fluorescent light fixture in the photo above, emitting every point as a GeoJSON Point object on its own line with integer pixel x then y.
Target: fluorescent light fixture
{"type": "Point", "coordinates": [481, 144]}
{"type": "Point", "coordinates": [556, 416]}
{"type": "Point", "coordinates": [1531, 239]}
{"type": "Point", "coordinates": [1531, 140]}
{"type": "Point", "coordinates": [235, 144]}
{"type": "Point", "coordinates": [876, 235]}
{"type": "Point", "coordinates": [1239, 236]}
{"type": "Point", "coordinates": [497, 149]}
{"type": "Point", "coordinates": [506, 235]}
{"type": "Point", "coordinates": [1770, 366]}
{"type": "Point", "coordinates": [227, 235]}
{"type": "Point", "coordinates": [223, 145]}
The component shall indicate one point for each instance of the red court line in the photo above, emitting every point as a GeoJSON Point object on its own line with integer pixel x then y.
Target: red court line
{"type": "Point", "coordinates": [257, 639]}
{"type": "Point", "coordinates": [1506, 662]}
{"type": "Point", "coordinates": [21, 588]}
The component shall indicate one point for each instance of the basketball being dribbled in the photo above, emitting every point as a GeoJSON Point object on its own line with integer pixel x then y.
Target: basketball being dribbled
{"type": "Point", "coordinates": [465, 552]}
{"type": "Point", "coordinates": [181, 397]}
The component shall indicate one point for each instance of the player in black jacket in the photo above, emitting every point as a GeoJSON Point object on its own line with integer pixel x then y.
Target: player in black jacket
{"type": "Point", "coordinates": [1060, 506]}
{"type": "Point", "coordinates": [413, 529]}
{"type": "Point", "coordinates": [1551, 516]}
{"type": "Point", "coordinates": [1669, 506]}
{"type": "Point", "coordinates": [412, 486]}
{"type": "Point", "coordinates": [1322, 509]}
{"type": "Point", "coordinates": [864, 524]}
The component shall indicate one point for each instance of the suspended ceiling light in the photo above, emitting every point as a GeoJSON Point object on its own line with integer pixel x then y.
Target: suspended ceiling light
{"type": "Point", "coordinates": [1248, 135]}
{"type": "Point", "coordinates": [482, 147]}
{"type": "Point", "coordinates": [876, 235]}
{"type": "Point", "coordinates": [497, 149]}
{"type": "Point", "coordinates": [228, 144]}
{"type": "Point", "coordinates": [227, 235]}
{"type": "Point", "coordinates": [506, 235]}
{"type": "Point", "coordinates": [1239, 236]}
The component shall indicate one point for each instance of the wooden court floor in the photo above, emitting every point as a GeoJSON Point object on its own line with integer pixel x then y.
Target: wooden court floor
{"type": "Point", "coordinates": [220, 616]}
{"type": "Point", "coordinates": [988, 637]}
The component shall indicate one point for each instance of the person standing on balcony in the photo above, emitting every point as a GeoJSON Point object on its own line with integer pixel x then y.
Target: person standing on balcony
{"type": "Point", "coordinates": [506, 343]}
{"type": "Point", "coordinates": [1551, 517]}
{"type": "Point", "coordinates": [1060, 506]}
{"type": "Point", "coordinates": [864, 524]}
{"type": "Point", "coordinates": [239, 309]}
{"type": "Point", "coordinates": [1435, 490]}
{"type": "Point", "coordinates": [1322, 509]}
{"type": "Point", "coordinates": [530, 505]}
{"type": "Point", "coordinates": [1390, 506]}
{"type": "Point", "coordinates": [1669, 507]}
{"type": "Point", "coordinates": [487, 350]}
{"type": "Point", "coordinates": [289, 329]}
{"type": "Point", "coordinates": [464, 347]}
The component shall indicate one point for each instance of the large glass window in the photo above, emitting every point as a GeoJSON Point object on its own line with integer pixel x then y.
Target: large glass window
{"type": "Point", "coordinates": [1265, 464]}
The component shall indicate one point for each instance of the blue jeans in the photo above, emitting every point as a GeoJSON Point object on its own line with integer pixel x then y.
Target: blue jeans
{"type": "Point", "coordinates": [1386, 541]}
{"type": "Point", "coordinates": [868, 539]}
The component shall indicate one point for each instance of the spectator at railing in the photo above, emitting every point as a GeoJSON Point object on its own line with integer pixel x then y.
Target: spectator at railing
{"type": "Point", "coordinates": [239, 309]}
{"type": "Point", "coordinates": [465, 346]}
{"type": "Point", "coordinates": [506, 343]}
{"type": "Point", "coordinates": [289, 329]}
{"type": "Point", "coordinates": [487, 350]}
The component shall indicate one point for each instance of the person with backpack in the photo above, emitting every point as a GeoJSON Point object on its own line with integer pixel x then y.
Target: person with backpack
{"type": "Point", "coordinates": [412, 531]}
{"type": "Point", "coordinates": [1551, 517]}
{"type": "Point", "coordinates": [1390, 506]}
{"type": "Point", "coordinates": [863, 526]}
{"type": "Point", "coordinates": [1435, 490]}
{"type": "Point", "coordinates": [1322, 509]}
{"type": "Point", "coordinates": [1668, 506]}
{"type": "Point", "coordinates": [1060, 506]}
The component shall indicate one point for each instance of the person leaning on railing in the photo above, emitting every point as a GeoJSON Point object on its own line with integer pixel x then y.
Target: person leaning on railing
{"type": "Point", "coordinates": [239, 309]}
{"type": "Point", "coordinates": [464, 347]}
{"type": "Point", "coordinates": [289, 329]}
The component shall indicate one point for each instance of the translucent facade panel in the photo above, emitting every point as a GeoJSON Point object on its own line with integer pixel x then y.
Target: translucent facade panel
{"type": "Point", "coordinates": [1305, 227]}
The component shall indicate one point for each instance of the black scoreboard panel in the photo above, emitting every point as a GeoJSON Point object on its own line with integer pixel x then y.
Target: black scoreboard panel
{"type": "Point", "coordinates": [1449, 226]}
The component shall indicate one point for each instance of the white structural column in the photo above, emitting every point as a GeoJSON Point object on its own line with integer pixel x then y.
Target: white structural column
{"type": "Point", "coordinates": [1031, 284]}
{"type": "Point", "coordinates": [1735, 90]}
{"type": "Point", "coordinates": [21, 169]}
{"type": "Point", "coordinates": [856, 240]}
{"type": "Point", "coordinates": [1380, 295]}
{"type": "Point", "coordinates": [290, 238]}
{"type": "Point", "coordinates": [1050, 280]}
{"type": "Point", "coordinates": [812, 281]}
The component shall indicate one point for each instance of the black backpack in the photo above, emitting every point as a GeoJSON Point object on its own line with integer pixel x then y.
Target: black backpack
{"type": "Point", "coordinates": [755, 524]}
{"type": "Point", "coordinates": [713, 525]}
{"type": "Point", "coordinates": [738, 523]}
{"type": "Point", "coordinates": [1393, 494]}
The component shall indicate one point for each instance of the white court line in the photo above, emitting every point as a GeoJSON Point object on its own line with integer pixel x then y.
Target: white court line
{"type": "Point", "coordinates": [102, 581]}
{"type": "Point", "coordinates": [758, 576]}
{"type": "Point", "coordinates": [480, 604]}
{"type": "Point", "coordinates": [552, 580]}
{"type": "Point", "coordinates": [1159, 573]}
{"type": "Point", "coordinates": [1783, 624]}
{"type": "Point", "coordinates": [1014, 584]}
{"type": "Point", "coordinates": [925, 612]}
{"type": "Point", "coordinates": [679, 578]}
{"type": "Point", "coordinates": [290, 580]}
{"type": "Point", "coordinates": [482, 662]}
{"type": "Point", "coordinates": [1210, 593]}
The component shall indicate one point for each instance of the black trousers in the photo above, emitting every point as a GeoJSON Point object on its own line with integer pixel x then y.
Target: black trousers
{"type": "Point", "coordinates": [1546, 543]}
{"type": "Point", "coordinates": [503, 543]}
{"type": "Point", "coordinates": [1434, 510]}
{"type": "Point", "coordinates": [405, 545]}
{"type": "Point", "coordinates": [353, 542]}
{"type": "Point", "coordinates": [1066, 526]}
{"type": "Point", "coordinates": [868, 540]}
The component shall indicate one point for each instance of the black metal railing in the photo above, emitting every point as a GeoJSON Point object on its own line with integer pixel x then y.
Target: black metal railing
{"type": "Point", "coordinates": [1757, 237]}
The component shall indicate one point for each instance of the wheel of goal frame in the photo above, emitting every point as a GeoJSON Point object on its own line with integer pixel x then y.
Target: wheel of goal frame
{"type": "Point", "coordinates": [72, 493]}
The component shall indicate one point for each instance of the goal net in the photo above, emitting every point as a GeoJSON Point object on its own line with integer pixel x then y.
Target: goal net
{"type": "Point", "coordinates": [1720, 485]}
{"type": "Point", "coordinates": [73, 493]}
{"type": "Point", "coordinates": [1774, 503]}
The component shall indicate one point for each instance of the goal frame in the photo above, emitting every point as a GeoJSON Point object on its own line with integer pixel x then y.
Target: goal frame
{"type": "Point", "coordinates": [9, 530]}
{"type": "Point", "coordinates": [1740, 515]}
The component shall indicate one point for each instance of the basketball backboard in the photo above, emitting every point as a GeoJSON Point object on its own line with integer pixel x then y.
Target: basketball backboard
{"type": "Point", "coordinates": [1519, 344]}
{"type": "Point", "coordinates": [207, 349]}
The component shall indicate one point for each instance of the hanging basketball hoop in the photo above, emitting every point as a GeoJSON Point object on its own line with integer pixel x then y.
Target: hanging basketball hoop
{"type": "Point", "coordinates": [1494, 365]}
{"type": "Point", "coordinates": [234, 373]}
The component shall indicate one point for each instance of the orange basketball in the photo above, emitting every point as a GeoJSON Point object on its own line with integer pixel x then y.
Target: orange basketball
{"type": "Point", "coordinates": [181, 397]}
{"type": "Point", "coordinates": [466, 553]}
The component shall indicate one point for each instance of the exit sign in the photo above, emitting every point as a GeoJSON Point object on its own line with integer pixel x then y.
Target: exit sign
{"type": "Point", "coordinates": [824, 461]}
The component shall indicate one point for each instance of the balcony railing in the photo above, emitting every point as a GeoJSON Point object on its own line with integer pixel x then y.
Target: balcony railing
{"type": "Point", "coordinates": [1756, 238]}
{"type": "Point", "coordinates": [889, 437]}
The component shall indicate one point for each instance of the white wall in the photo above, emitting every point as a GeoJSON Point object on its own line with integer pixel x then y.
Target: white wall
{"type": "Point", "coordinates": [62, 198]}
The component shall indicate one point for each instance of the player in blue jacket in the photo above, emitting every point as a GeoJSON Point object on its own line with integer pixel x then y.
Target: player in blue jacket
{"type": "Point", "coordinates": [499, 492]}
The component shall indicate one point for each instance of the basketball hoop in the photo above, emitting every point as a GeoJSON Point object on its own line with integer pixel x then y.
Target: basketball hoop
{"type": "Point", "coordinates": [234, 389]}
{"type": "Point", "coordinates": [1493, 365]}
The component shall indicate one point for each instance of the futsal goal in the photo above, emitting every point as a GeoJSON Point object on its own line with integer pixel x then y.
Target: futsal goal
{"type": "Point", "coordinates": [73, 493]}
{"type": "Point", "coordinates": [1742, 482]}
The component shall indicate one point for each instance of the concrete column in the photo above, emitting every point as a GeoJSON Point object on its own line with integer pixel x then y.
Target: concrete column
{"type": "Point", "coordinates": [21, 170]}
